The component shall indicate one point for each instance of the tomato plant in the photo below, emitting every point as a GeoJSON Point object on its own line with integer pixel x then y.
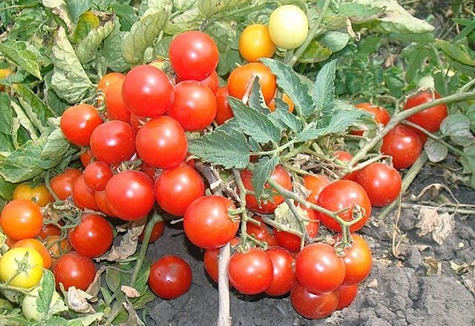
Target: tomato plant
{"type": "Point", "coordinates": [346, 295]}
{"type": "Point", "coordinates": [358, 260]}
{"type": "Point", "coordinates": [73, 269]}
{"type": "Point", "coordinates": [21, 267]}
{"type": "Point", "coordinates": [170, 277]}
{"type": "Point", "coordinates": [223, 110]}
{"type": "Point", "coordinates": [92, 237]}
{"type": "Point", "coordinates": [96, 175]}
{"type": "Point", "coordinates": [116, 108]}
{"type": "Point", "coordinates": [83, 196]}
{"type": "Point", "coordinates": [261, 232]}
{"type": "Point", "coordinates": [283, 279]}
{"type": "Point", "coordinates": [38, 246]}
{"type": "Point", "coordinates": [62, 184]}
{"type": "Point", "coordinates": [21, 219]}
{"type": "Point", "coordinates": [157, 232]}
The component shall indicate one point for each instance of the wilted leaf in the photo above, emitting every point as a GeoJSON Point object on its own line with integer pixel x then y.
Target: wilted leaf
{"type": "Point", "coordinates": [440, 225]}
{"type": "Point", "coordinates": [127, 245]}
{"type": "Point", "coordinates": [130, 292]}
{"type": "Point", "coordinates": [434, 267]}
{"type": "Point", "coordinates": [78, 301]}
{"type": "Point", "coordinates": [436, 151]}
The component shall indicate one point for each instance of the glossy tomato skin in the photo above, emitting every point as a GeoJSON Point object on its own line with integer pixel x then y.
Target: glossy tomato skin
{"type": "Point", "coordinates": [261, 232]}
{"type": "Point", "coordinates": [207, 222]}
{"type": "Point", "coordinates": [358, 260]}
{"type": "Point", "coordinates": [268, 205]}
{"type": "Point", "coordinates": [177, 188]}
{"type": "Point", "coordinates": [78, 122]}
{"type": "Point", "coordinates": [380, 114]}
{"type": "Point", "coordinates": [38, 246]}
{"type": "Point", "coordinates": [313, 306]}
{"type": "Point", "coordinates": [39, 194]}
{"type": "Point", "coordinates": [346, 295]}
{"type": "Point", "coordinates": [62, 184]}
{"type": "Point", "coordinates": [73, 269]}
{"type": "Point", "coordinates": [288, 26]}
{"type": "Point", "coordinates": [113, 142]}
{"type": "Point", "coordinates": [240, 80]}
{"type": "Point", "coordinates": [292, 241]}
{"type": "Point", "coordinates": [97, 174]}
{"type": "Point", "coordinates": [319, 269]}
{"type": "Point", "coordinates": [92, 237]}
{"type": "Point", "coordinates": [194, 106]}
{"type": "Point", "coordinates": [403, 145]}
{"type": "Point", "coordinates": [431, 118]}
{"type": "Point", "coordinates": [157, 232]}
{"type": "Point", "coordinates": [340, 195]}
{"type": "Point", "coordinates": [224, 111]}
{"type": "Point", "coordinates": [147, 91]}
{"type": "Point", "coordinates": [255, 42]}
{"type": "Point", "coordinates": [193, 55]}
{"type": "Point", "coordinates": [284, 278]}
{"type": "Point", "coordinates": [251, 272]}
{"type": "Point", "coordinates": [343, 158]}
{"type": "Point", "coordinates": [108, 79]}
{"type": "Point", "coordinates": [170, 277]}
{"type": "Point", "coordinates": [129, 195]}
{"type": "Point", "coordinates": [116, 108]}
{"type": "Point", "coordinates": [381, 182]}
{"type": "Point", "coordinates": [21, 219]}
{"type": "Point", "coordinates": [83, 196]}
{"type": "Point", "coordinates": [162, 143]}
{"type": "Point", "coordinates": [21, 267]}
{"type": "Point", "coordinates": [315, 184]}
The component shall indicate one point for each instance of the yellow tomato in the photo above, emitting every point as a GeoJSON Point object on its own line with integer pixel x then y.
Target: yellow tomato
{"type": "Point", "coordinates": [255, 43]}
{"type": "Point", "coordinates": [38, 194]}
{"type": "Point", "coordinates": [288, 26]}
{"type": "Point", "coordinates": [21, 267]}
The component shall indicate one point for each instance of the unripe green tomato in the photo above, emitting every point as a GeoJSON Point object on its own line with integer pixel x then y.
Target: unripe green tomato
{"type": "Point", "coordinates": [288, 27]}
{"type": "Point", "coordinates": [29, 308]}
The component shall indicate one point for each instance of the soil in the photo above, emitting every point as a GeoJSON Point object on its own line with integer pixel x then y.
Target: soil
{"type": "Point", "coordinates": [420, 287]}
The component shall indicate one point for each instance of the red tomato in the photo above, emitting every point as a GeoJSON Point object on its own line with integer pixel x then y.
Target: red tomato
{"type": "Point", "coordinates": [284, 277]}
{"type": "Point", "coordinates": [381, 182]}
{"type": "Point", "coordinates": [108, 79]}
{"type": "Point", "coordinates": [101, 201]}
{"type": "Point", "coordinates": [212, 82]}
{"type": "Point", "coordinates": [157, 232]}
{"type": "Point", "coordinates": [194, 106]}
{"type": "Point", "coordinates": [292, 241]}
{"type": "Point", "coordinates": [344, 195]}
{"type": "Point", "coordinates": [116, 108]}
{"type": "Point", "coordinates": [147, 91]}
{"type": "Point", "coordinates": [62, 184]}
{"type": "Point", "coordinates": [83, 196]}
{"type": "Point", "coordinates": [261, 232]}
{"type": "Point", "coordinates": [269, 204]}
{"type": "Point", "coordinates": [403, 145]}
{"type": "Point", "coordinates": [240, 80]}
{"type": "Point", "coordinates": [346, 294]}
{"type": "Point", "coordinates": [224, 111]}
{"type": "Point", "coordinates": [381, 115]}
{"type": "Point", "coordinates": [251, 272]}
{"type": "Point", "coordinates": [170, 277]}
{"type": "Point", "coordinates": [177, 188]}
{"type": "Point", "coordinates": [207, 222]}
{"type": "Point", "coordinates": [162, 143]}
{"type": "Point", "coordinates": [36, 245]}
{"type": "Point", "coordinates": [358, 260]}
{"type": "Point", "coordinates": [129, 195]}
{"type": "Point", "coordinates": [48, 230]}
{"type": "Point", "coordinates": [92, 237]}
{"type": "Point", "coordinates": [431, 118]}
{"type": "Point", "coordinates": [113, 142]}
{"type": "Point", "coordinates": [73, 269]}
{"type": "Point", "coordinates": [193, 55]}
{"type": "Point", "coordinates": [319, 269]}
{"type": "Point", "coordinates": [343, 158]}
{"type": "Point", "coordinates": [210, 260]}
{"type": "Point", "coordinates": [86, 157]}
{"type": "Point", "coordinates": [21, 219]}
{"type": "Point", "coordinates": [315, 184]}
{"type": "Point", "coordinates": [78, 122]}
{"type": "Point", "coordinates": [96, 175]}
{"type": "Point", "coordinates": [313, 306]}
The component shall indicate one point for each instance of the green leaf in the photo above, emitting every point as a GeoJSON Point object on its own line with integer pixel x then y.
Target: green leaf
{"type": "Point", "coordinates": [436, 151]}
{"type": "Point", "coordinates": [45, 295]}
{"type": "Point", "coordinates": [335, 41]}
{"type": "Point", "coordinates": [39, 110]}
{"type": "Point", "coordinates": [23, 120]}
{"type": "Point", "coordinates": [457, 127]}
{"type": "Point", "coordinates": [6, 189]}
{"type": "Point", "coordinates": [293, 85]}
{"type": "Point", "coordinates": [77, 8]}
{"type": "Point", "coordinates": [456, 52]}
{"type": "Point", "coordinates": [315, 52]}
{"type": "Point", "coordinates": [142, 34]}
{"type": "Point", "coordinates": [228, 149]}
{"type": "Point", "coordinates": [254, 123]}
{"type": "Point", "coordinates": [188, 20]}
{"type": "Point", "coordinates": [210, 8]}
{"type": "Point", "coordinates": [468, 162]}
{"type": "Point", "coordinates": [6, 114]}
{"type": "Point", "coordinates": [283, 116]}
{"type": "Point", "coordinates": [88, 47]}
{"type": "Point", "coordinates": [23, 55]}
{"type": "Point", "coordinates": [261, 173]}
{"type": "Point", "coordinates": [324, 87]}
{"type": "Point", "coordinates": [125, 14]}
{"type": "Point", "coordinates": [256, 99]}
{"type": "Point", "coordinates": [141, 283]}
{"type": "Point", "coordinates": [114, 58]}
{"type": "Point", "coordinates": [56, 145]}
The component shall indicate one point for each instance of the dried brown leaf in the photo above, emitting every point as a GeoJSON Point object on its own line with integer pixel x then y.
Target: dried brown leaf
{"type": "Point", "coordinates": [434, 267]}
{"type": "Point", "coordinates": [78, 300]}
{"type": "Point", "coordinates": [440, 225]}
{"type": "Point", "coordinates": [129, 291]}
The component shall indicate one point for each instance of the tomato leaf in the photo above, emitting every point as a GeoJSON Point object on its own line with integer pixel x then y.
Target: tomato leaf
{"type": "Point", "coordinates": [261, 173]}
{"type": "Point", "coordinates": [87, 48]}
{"type": "Point", "coordinates": [38, 108]}
{"type": "Point", "coordinates": [125, 14]}
{"type": "Point", "coordinates": [114, 59]}
{"type": "Point", "coordinates": [324, 87]}
{"type": "Point", "coordinates": [6, 115]}
{"type": "Point", "coordinates": [456, 52]}
{"type": "Point", "coordinates": [281, 116]}
{"type": "Point", "coordinates": [436, 151]}
{"type": "Point", "coordinates": [23, 55]}
{"type": "Point", "coordinates": [468, 162]}
{"type": "Point", "coordinates": [188, 20]}
{"type": "Point", "coordinates": [77, 8]}
{"type": "Point", "coordinates": [228, 149]}
{"type": "Point", "coordinates": [457, 127]}
{"type": "Point", "coordinates": [24, 121]}
{"type": "Point", "coordinates": [6, 190]}
{"type": "Point", "coordinates": [210, 8]}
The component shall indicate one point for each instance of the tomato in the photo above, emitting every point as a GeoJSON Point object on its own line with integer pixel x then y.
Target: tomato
{"type": "Point", "coordinates": [381, 182]}
{"type": "Point", "coordinates": [193, 55]}
{"type": "Point", "coordinates": [4, 73]}
{"type": "Point", "coordinates": [358, 260]}
{"type": "Point", "coordinates": [268, 202]}
{"type": "Point", "coordinates": [57, 246]}
{"type": "Point", "coordinates": [403, 145]}
{"type": "Point", "coordinates": [241, 78]}
{"type": "Point", "coordinates": [431, 118]}
{"type": "Point", "coordinates": [342, 158]}
{"type": "Point", "coordinates": [380, 114]}
{"type": "Point", "coordinates": [157, 232]}
{"type": "Point", "coordinates": [30, 308]}
{"type": "Point", "coordinates": [286, 100]}
{"type": "Point", "coordinates": [251, 272]}
{"type": "Point", "coordinates": [38, 246]}
{"type": "Point", "coordinates": [315, 184]}
{"type": "Point", "coordinates": [113, 142]}
{"type": "Point", "coordinates": [261, 232]}
{"type": "Point", "coordinates": [73, 269]}
{"type": "Point", "coordinates": [194, 106]}
{"type": "Point", "coordinates": [292, 241]}
{"type": "Point", "coordinates": [319, 269]}
{"type": "Point", "coordinates": [313, 306]}
{"type": "Point", "coordinates": [92, 237]}
{"type": "Point", "coordinates": [177, 188]}
{"type": "Point", "coordinates": [147, 91]}
{"type": "Point", "coordinates": [86, 157]}
{"type": "Point", "coordinates": [21, 267]}
{"type": "Point", "coordinates": [21, 219]}
{"type": "Point", "coordinates": [48, 230]}
{"type": "Point", "coordinates": [224, 111]}
{"type": "Point", "coordinates": [96, 175]}
{"type": "Point", "coordinates": [116, 108]}
{"type": "Point", "coordinates": [255, 42]}
{"type": "Point", "coordinates": [288, 26]}
{"type": "Point", "coordinates": [346, 294]}
{"type": "Point", "coordinates": [62, 184]}
{"type": "Point", "coordinates": [211, 257]}
{"type": "Point", "coordinates": [170, 277]}
{"type": "Point", "coordinates": [39, 194]}
{"type": "Point", "coordinates": [162, 143]}
{"type": "Point", "coordinates": [129, 195]}
{"type": "Point", "coordinates": [101, 201]}
{"type": "Point", "coordinates": [212, 82]}
{"type": "Point", "coordinates": [108, 79]}
{"type": "Point", "coordinates": [83, 196]}
{"type": "Point", "coordinates": [78, 122]}
{"type": "Point", "coordinates": [207, 221]}
{"type": "Point", "coordinates": [284, 277]}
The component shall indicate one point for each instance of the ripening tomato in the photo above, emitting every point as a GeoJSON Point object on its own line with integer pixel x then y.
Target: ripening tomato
{"type": "Point", "coordinates": [431, 118]}
{"type": "Point", "coordinates": [251, 272]}
{"type": "Point", "coordinates": [57, 246]}
{"type": "Point", "coordinates": [381, 182]}
{"type": "Point", "coordinates": [62, 184]}
{"type": "Point", "coordinates": [269, 200]}
{"type": "Point", "coordinates": [357, 258]}
{"type": "Point", "coordinates": [92, 237]}
{"type": "Point", "coordinates": [224, 111]}
{"type": "Point", "coordinates": [21, 267]}
{"type": "Point", "coordinates": [147, 91]}
{"type": "Point", "coordinates": [83, 196]}
{"type": "Point", "coordinates": [194, 106]}
{"type": "Point", "coordinates": [207, 221]}
{"type": "Point", "coordinates": [38, 246]}
{"type": "Point", "coordinates": [348, 197]}
{"type": "Point", "coordinates": [39, 194]}
{"type": "Point", "coordinates": [288, 26]}
{"type": "Point", "coordinates": [193, 55]}
{"type": "Point", "coordinates": [284, 277]}
{"type": "Point", "coordinates": [96, 175]}
{"type": "Point", "coordinates": [73, 269]}
{"type": "Point", "coordinates": [346, 294]}
{"type": "Point", "coordinates": [403, 145]}
{"type": "Point", "coordinates": [170, 277]}
{"type": "Point", "coordinates": [319, 269]}
{"type": "Point", "coordinates": [78, 122]}
{"type": "Point", "coordinates": [21, 219]}
{"type": "Point", "coordinates": [255, 42]}
{"type": "Point", "coordinates": [241, 78]}
{"type": "Point", "coordinates": [162, 143]}
{"type": "Point", "coordinates": [313, 306]}
{"type": "Point", "coordinates": [116, 108]}
{"type": "Point", "coordinates": [177, 188]}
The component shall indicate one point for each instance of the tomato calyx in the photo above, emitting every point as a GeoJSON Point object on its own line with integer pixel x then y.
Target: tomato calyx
{"type": "Point", "coordinates": [23, 266]}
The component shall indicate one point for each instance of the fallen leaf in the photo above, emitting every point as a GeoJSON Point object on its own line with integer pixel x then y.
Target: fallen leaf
{"type": "Point", "coordinates": [440, 225]}
{"type": "Point", "coordinates": [78, 300]}
{"type": "Point", "coordinates": [130, 291]}
{"type": "Point", "coordinates": [434, 267]}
